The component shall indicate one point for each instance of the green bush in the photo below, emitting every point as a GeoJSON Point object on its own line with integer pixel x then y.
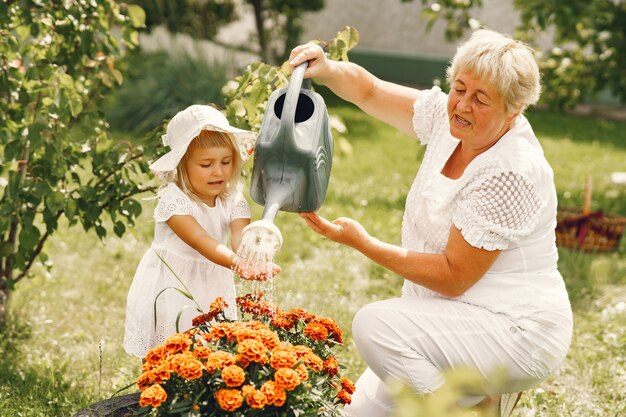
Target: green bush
{"type": "Point", "coordinates": [159, 85]}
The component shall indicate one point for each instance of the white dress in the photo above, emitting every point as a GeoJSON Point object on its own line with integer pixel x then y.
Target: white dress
{"type": "Point", "coordinates": [201, 277]}
{"type": "Point", "coordinates": [504, 200]}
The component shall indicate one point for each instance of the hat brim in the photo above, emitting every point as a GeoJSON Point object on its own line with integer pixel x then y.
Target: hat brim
{"type": "Point", "coordinates": [169, 162]}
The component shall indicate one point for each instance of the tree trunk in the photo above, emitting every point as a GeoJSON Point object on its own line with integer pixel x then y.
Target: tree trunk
{"type": "Point", "coordinates": [4, 305]}
{"type": "Point", "coordinates": [260, 29]}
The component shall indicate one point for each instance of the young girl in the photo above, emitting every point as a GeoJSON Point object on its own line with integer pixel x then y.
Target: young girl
{"type": "Point", "coordinates": [196, 210]}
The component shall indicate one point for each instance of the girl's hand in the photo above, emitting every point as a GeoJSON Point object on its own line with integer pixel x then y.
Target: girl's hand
{"type": "Point", "coordinates": [318, 64]}
{"type": "Point", "coordinates": [250, 275]}
{"type": "Point", "coordinates": [342, 230]}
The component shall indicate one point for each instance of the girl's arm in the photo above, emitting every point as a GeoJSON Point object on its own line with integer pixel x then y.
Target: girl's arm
{"type": "Point", "coordinates": [391, 103]}
{"type": "Point", "coordinates": [236, 228]}
{"type": "Point", "coordinates": [450, 274]}
{"type": "Point", "coordinates": [190, 231]}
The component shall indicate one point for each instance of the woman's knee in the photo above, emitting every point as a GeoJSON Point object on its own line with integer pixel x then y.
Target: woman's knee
{"type": "Point", "coordinates": [365, 325]}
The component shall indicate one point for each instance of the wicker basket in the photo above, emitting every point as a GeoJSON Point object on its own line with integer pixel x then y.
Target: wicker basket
{"type": "Point", "coordinates": [588, 231]}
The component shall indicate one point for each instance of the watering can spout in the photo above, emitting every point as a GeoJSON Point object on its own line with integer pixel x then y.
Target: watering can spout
{"type": "Point", "coordinates": [278, 195]}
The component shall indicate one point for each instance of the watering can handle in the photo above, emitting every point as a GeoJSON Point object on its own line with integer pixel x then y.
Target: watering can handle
{"type": "Point", "coordinates": [291, 97]}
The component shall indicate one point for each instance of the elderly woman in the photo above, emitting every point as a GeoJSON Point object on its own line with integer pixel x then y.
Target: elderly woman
{"type": "Point", "coordinates": [478, 253]}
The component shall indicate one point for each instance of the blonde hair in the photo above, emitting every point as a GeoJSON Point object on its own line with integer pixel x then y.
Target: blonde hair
{"type": "Point", "coordinates": [509, 65]}
{"type": "Point", "coordinates": [207, 139]}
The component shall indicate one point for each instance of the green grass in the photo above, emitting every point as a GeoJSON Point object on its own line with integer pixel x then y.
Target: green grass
{"type": "Point", "coordinates": [62, 349]}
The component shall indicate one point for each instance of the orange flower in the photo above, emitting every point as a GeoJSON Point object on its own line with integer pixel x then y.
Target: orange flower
{"type": "Point", "coordinates": [178, 342]}
{"type": "Point", "coordinates": [217, 360]}
{"type": "Point", "coordinates": [241, 361]}
{"type": "Point", "coordinates": [287, 378]}
{"type": "Point", "coordinates": [243, 333]}
{"type": "Point", "coordinates": [247, 389]}
{"type": "Point", "coordinates": [201, 352]}
{"type": "Point", "coordinates": [219, 330]}
{"type": "Point", "coordinates": [256, 399]}
{"type": "Point", "coordinates": [145, 380]}
{"type": "Point", "coordinates": [316, 331]}
{"type": "Point", "coordinates": [344, 397]}
{"type": "Point", "coordinates": [283, 321]}
{"type": "Point", "coordinates": [333, 328]}
{"type": "Point", "coordinates": [283, 357]}
{"type": "Point", "coordinates": [154, 396]}
{"type": "Point", "coordinates": [301, 350]}
{"type": "Point", "coordinates": [274, 394]}
{"type": "Point", "coordinates": [269, 338]}
{"type": "Point", "coordinates": [331, 367]}
{"type": "Point", "coordinates": [201, 319]}
{"type": "Point", "coordinates": [229, 399]}
{"type": "Point", "coordinates": [154, 356]}
{"type": "Point", "coordinates": [233, 376]}
{"type": "Point", "coordinates": [300, 314]}
{"type": "Point", "coordinates": [347, 385]}
{"type": "Point", "coordinates": [218, 305]}
{"type": "Point", "coordinates": [314, 362]}
{"type": "Point", "coordinates": [161, 372]}
{"type": "Point", "coordinates": [252, 350]}
{"type": "Point", "coordinates": [302, 372]}
{"type": "Point", "coordinates": [187, 366]}
{"type": "Point", "coordinates": [251, 303]}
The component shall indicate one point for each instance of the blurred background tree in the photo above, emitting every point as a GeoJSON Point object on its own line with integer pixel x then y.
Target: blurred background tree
{"type": "Point", "coordinates": [588, 55]}
{"type": "Point", "coordinates": [58, 60]}
{"type": "Point", "coordinates": [278, 22]}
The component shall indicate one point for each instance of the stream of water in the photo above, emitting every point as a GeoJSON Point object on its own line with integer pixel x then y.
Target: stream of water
{"type": "Point", "coordinates": [255, 259]}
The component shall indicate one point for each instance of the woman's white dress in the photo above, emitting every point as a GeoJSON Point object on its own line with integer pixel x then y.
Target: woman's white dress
{"type": "Point", "coordinates": [203, 279]}
{"type": "Point", "coordinates": [504, 200]}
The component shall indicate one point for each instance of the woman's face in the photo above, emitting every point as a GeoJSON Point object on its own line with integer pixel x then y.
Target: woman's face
{"type": "Point", "coordinates": [477, 112]}
{"type": "Point", "coordinates": [209, 170]}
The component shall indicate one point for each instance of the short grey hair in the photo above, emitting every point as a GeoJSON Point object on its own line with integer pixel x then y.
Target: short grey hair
{"type": "Point", "coordinates": [507, 64]}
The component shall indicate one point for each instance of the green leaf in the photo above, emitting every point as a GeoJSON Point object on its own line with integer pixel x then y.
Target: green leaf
{"type": "Point", "coordinates": [29, 236]}
{"type": "Point", "coordinates": [137, 16]}
{"type": "Point", "coordinates": [119, 229]}
{"type": "Point", "coordinates": [76, 104]}
{"type": "Point", "coordinates": [55, 201]}
{"type": "Point", "coordinates": [132, 207]}
{"type": "Point", "coordinates": [6, 249]}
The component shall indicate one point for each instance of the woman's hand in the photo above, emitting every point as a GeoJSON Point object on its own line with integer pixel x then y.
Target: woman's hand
{"type": "Point", "coordinates": [342, 230]}
{"type": "Point", "coordinates": [319, 66]}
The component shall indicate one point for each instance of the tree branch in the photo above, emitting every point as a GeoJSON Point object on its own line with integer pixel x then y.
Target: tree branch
{"type": "Point", "coordinates": [37, 251]}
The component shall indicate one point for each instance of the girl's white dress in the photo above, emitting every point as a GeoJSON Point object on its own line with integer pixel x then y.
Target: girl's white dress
{"type": "Point", "coordinates": [202, 278]}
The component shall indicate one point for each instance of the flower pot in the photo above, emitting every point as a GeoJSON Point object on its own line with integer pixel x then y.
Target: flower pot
{"type": "Point", "coordinates": [123, 406]}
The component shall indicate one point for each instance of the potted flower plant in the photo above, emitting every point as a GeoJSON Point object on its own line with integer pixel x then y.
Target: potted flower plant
{"type": "Point", "coordinates": [270, 363]}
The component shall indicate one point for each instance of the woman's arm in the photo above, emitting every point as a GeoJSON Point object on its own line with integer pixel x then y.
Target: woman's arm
{"type": "Point", "coordinates": [190, 231]}
{"type": "Point", "coordinates": [391, 103]}
{"type": "Point", "coordinates": [450, 274]}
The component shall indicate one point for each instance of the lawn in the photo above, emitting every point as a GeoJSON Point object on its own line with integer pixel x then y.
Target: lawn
{"type": "Point", "coordinates": [62, 349]}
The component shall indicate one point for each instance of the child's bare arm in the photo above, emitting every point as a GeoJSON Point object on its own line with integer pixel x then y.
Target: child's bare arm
{"type": "Point", "coordinates": [190, 231]}
{"type": "Point", "coordinates": [236, 229]}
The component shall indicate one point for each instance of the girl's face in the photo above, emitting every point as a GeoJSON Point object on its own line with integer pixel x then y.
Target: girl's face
{"type": "Point", "coordinates": [209, 170]}
{"type": "Point", "coordinates": [477, 112]}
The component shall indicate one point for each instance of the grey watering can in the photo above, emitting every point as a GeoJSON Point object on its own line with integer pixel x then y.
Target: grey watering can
{"type": "Point", "coordinates": [294, 150]}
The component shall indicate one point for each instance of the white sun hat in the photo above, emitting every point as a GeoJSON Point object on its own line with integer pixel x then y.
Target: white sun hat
{"type": "Point", "coordinates": [188, 124]}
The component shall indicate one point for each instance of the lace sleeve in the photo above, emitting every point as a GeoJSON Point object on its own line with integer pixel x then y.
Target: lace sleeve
{"type": "Point", "coordinates": [429, 107]}
{"type": "Point", "coordinates": [172, 201]}
{"type": "Point", "coordinates": [495, 211]}
{"type": "Point", "coordinates": [240, 209]}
